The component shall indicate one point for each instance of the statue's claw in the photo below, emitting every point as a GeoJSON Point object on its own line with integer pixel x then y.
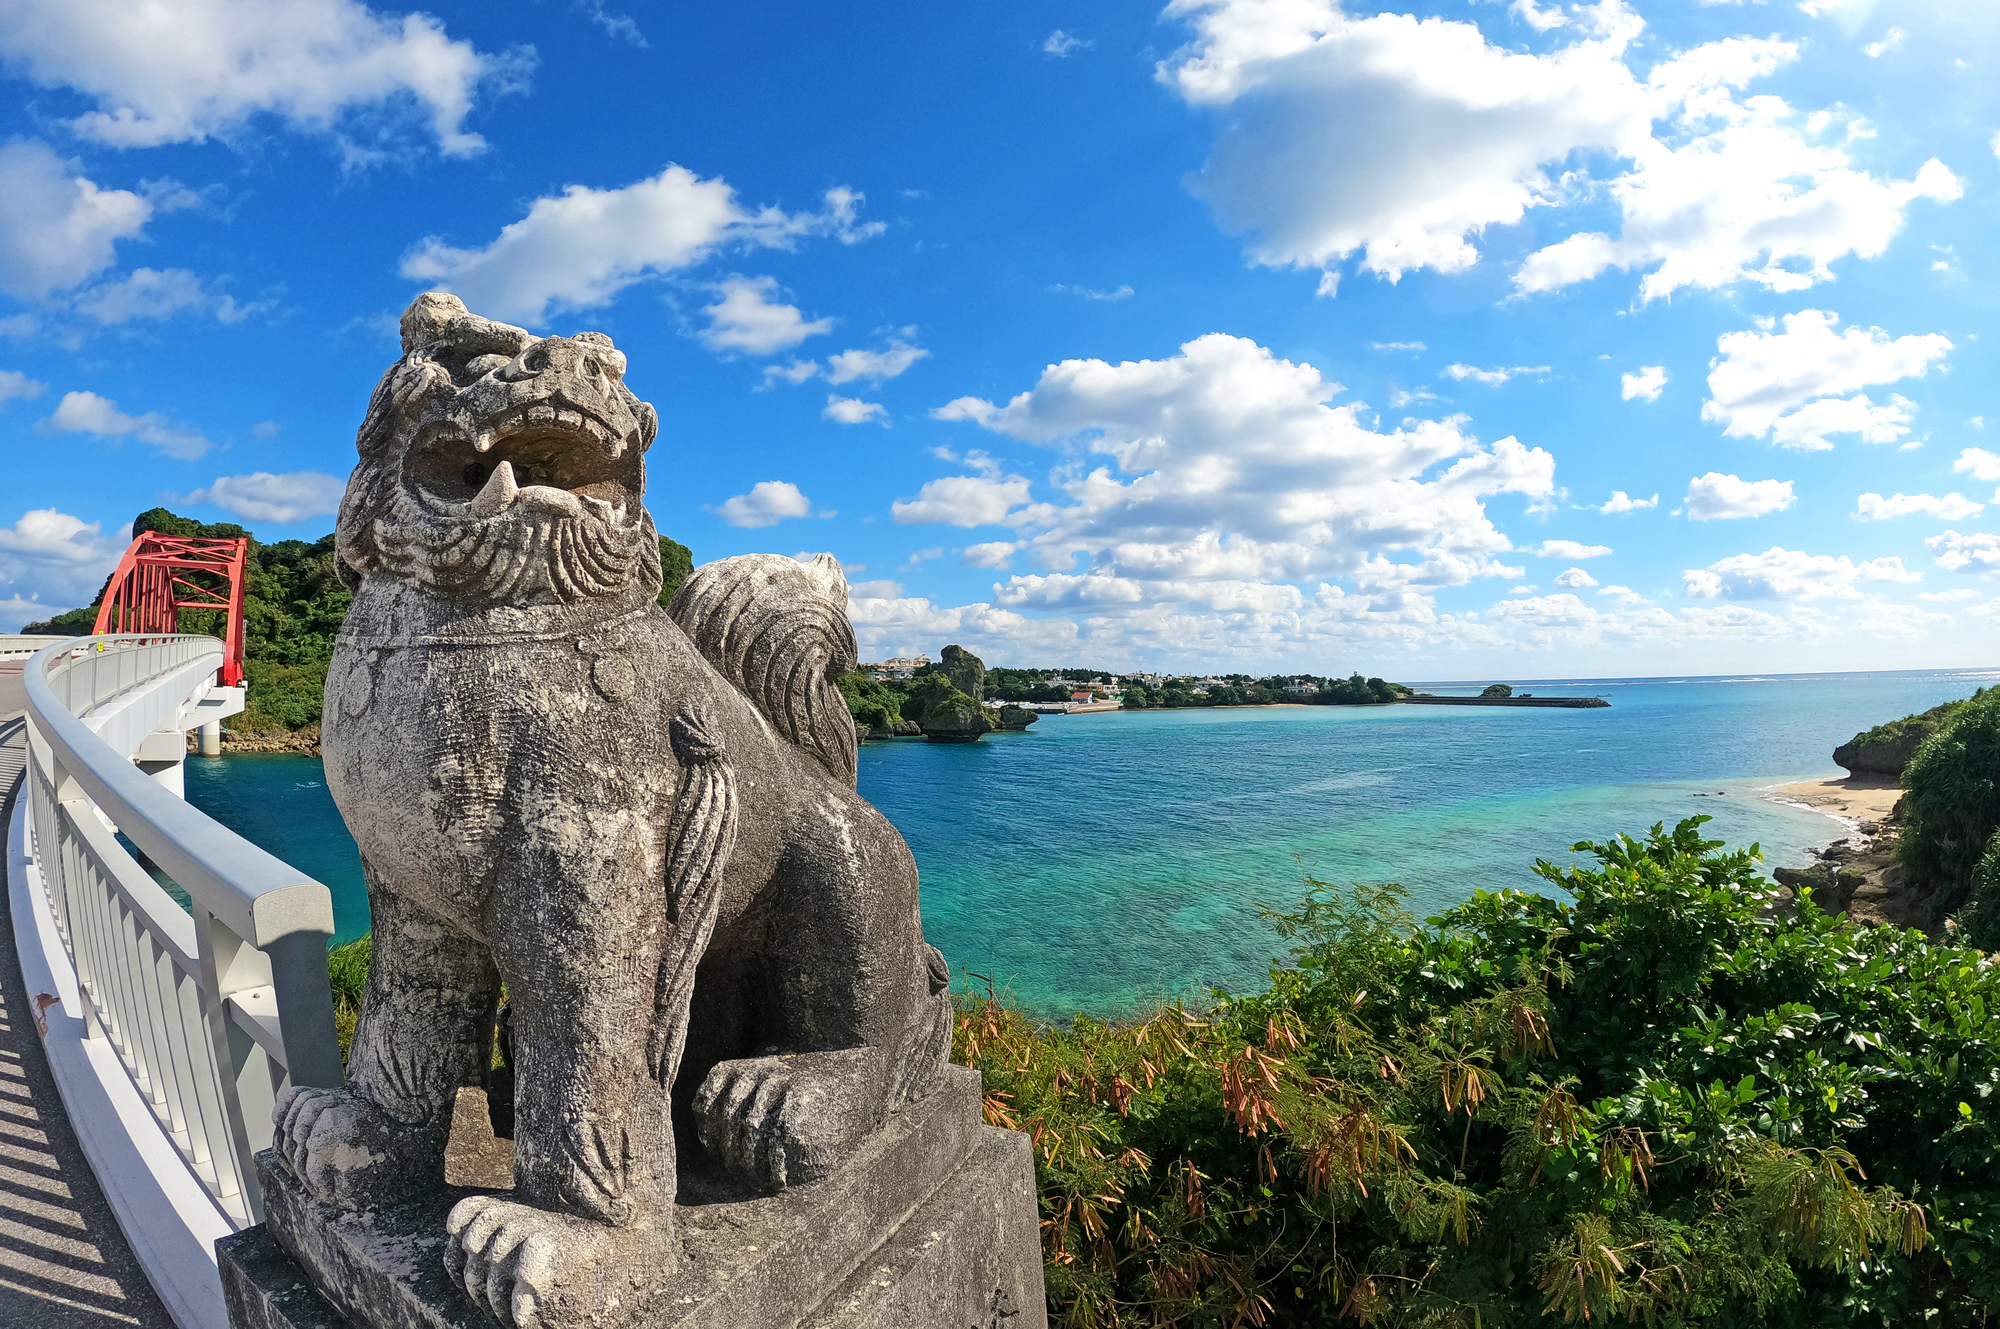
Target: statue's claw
{"type": "Point", "coordinates": [516, 1262]}
{"type": "Point", "coordinates": [789, 1121]}
{"type": "Point", "coordinates": [351, 1154]}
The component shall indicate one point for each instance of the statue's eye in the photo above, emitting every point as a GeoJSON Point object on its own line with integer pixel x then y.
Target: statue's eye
{"type": "Point", "coordinates": [475, 474]}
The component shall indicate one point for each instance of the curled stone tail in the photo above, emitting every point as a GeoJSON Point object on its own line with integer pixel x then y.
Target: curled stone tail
{"type": "Point", "coordinates": [700, 841]}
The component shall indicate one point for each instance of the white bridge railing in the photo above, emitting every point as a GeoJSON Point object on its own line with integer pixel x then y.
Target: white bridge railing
{"type": "Point", "coordinates": [210, 1010]}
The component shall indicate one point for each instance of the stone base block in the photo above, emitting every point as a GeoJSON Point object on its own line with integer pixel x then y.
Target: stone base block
{"type": "Point", "coordinates": [932, 1225]}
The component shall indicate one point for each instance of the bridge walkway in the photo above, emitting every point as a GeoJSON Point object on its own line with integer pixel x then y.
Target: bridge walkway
{"type": "Point", "coordinates": [63, 1262]}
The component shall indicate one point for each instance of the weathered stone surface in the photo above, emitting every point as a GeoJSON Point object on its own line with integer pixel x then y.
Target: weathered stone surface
{"type": "Point", "coordinates": [966, 671]}
{"type": "Point", "coordinates": [931, 1224]}
{"type": "Point", "coordinates": [957, 724]}
{"type": "Point", "coordinates": [643, 821]}
{"type": "Point", "coordinates": [1015, 717]}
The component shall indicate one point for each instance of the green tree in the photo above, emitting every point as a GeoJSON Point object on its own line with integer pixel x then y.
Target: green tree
{"type": "Point", "coordinates": [676, 562]}
{"type": "Point", "coordinates": [1953, 806]}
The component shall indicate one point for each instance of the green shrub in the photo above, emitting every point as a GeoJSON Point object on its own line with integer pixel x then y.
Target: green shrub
{"type": "Point", "coordinates": [876, 704]}
{"type": "Point", "coordinates": [1657, 1100]}
{"type": "Point", "coordinates": [1953, 806]}
{"type": "Point", "coordinates": [347, 975]}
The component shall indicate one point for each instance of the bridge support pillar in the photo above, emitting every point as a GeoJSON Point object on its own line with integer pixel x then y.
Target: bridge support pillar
{"type": "Point", "coordinates": [211, 739]}
{"type": "Point", "coordinates": [160, 756]}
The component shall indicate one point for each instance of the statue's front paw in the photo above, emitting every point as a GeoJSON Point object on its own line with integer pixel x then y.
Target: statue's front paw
{"type": "Point", "coordinates": [533, 1269]}
{"type": "Point", "coordinates": [349, 1153]}
{"type": "Point", "coordinates": [789, 1121]}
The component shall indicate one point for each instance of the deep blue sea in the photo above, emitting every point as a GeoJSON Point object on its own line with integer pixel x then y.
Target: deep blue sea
{"type": "Point", "coordinates": [1101, 862]}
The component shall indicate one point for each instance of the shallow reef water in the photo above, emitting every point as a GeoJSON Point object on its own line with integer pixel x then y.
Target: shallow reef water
{"type": "Point", "coordinates": [1108, 861]}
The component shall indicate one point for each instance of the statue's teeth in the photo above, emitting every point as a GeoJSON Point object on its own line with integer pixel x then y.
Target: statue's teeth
{"type": "Point", "coordinates": [541, 415]}
{"type": "Point", "coordinates": [485, 442]}
{"type": "Point", "coordinates": [499, 493]}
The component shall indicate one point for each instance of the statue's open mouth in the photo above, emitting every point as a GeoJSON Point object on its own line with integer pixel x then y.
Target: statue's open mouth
{"type": "Point", "coordinates": [549, 457]}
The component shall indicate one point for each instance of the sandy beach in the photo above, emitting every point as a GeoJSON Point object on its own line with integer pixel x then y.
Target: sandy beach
{"type": "Point", "coordinates": [1855, 798]}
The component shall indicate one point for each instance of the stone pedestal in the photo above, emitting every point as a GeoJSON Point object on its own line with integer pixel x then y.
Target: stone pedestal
{"type": "Point", "coordinates": [932, 1224]}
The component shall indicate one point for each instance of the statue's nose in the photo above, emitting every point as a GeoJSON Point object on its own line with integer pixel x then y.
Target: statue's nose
{"type": "Point", "coordinates": [565, 355]}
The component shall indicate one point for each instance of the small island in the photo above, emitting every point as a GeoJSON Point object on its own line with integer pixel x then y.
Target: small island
{"type": "Point", "coordinates": [1502, 694]}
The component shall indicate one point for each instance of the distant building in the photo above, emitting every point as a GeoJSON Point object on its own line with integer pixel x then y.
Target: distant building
{"type": "Point", "coordinates": [1301, 690]}
{"type": "Point", "coordinates": [1083, 696]}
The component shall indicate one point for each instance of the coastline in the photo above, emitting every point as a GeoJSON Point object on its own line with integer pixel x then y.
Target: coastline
{"type": "Point", "coordinates": [1852, 800]}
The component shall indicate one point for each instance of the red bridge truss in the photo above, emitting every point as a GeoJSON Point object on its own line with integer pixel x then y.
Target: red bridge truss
{"type": "Point", "coordinates": [155, 581]}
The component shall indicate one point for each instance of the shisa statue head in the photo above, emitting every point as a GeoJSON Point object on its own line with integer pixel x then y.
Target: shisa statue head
{"type": "Point", "coordinates": [501, 466]}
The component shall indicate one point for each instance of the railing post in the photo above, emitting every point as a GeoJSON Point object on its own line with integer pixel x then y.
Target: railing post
{"type": "Point", "coordinates": [230, 965]}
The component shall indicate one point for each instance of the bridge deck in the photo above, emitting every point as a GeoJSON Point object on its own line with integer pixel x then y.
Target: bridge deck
{"type": "Point", "coordinates": [63, 1262]}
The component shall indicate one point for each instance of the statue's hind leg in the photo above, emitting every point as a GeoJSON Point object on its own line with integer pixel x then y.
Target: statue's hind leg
{"type": "Point", "coordinates": [426, 1030]}
{"type": "Point", "coordinates": [580, 921]}
{"type": "Point", "coordinates": [855, 1019]}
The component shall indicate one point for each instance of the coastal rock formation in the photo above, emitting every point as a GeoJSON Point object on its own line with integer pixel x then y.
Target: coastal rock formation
{"type": "Point", "coordinates": [1014, 718]}
{"type": "Point", "coordinates": [1887, 748]}
{"type": "Point", "coordinates": [644, 822]}
{"type": "Point", "coordinates": [956, 719]}
{"type": "Point", "coordinates": [304, 740]}
{"type": "Point", "coordinates": [966, 671]}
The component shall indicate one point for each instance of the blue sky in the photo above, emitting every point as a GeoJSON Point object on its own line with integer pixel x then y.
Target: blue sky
{"type": "Point", "coordinates": [1254, 334]}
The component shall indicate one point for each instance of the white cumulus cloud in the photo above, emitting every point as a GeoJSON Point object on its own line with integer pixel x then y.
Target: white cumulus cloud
{"type": "Point", "coordinates": [1621, 502]}
{"type": "Point", "coordinates": [1952, 507]}
{"type": "Point", "coordinates": [1399, 139]}
{"type": "Point", "coordinates": [990, 554]}
{"type": "Point", "coordinates": [88, 413]}
{"type": "Point", "coordinates": [747, 317]}
{"type": "Point", "coordinates": [580, 248]}
{"type": "Point", "coordinates": [1981, 464]}
{"type": "Point", "coordinates": [768, 503]}
{"type": "Point", "coordinates": [1715, 497]}
{"type": "Point", "coordinates": [1570, 551]}
{"type": "Point", "coordinates": [58, 559]}
{"type": "Point", "coordinates": [1789, 384]}
{"type": "Point", "coordinates": [853, 410]}
{"type": "Point", "coordinates": [154, 294]}
{"type": "Point", "coordinates": [1974, 553]}
{"type": "Point", "coordinates": [1199, 478]}
{"type": "Point", "coordinates": [201, 69]}
{"type": "Point", "coordinates": [873, 365]}
{"type": "Point", "coordinates": [14, 383]}
{"type": "Point", "coordinates": [1787, 574]}
{"type": "Point", "coordinates": [1646, 385]}
{"type": "Point", "coordinates": [57, 229]}
{"type": "Point", "coordinates": [963, 500]}
{"type": "Point", "coordinates": [1575, 578]}
{"type": "Point", "coordinates": [262, 496]}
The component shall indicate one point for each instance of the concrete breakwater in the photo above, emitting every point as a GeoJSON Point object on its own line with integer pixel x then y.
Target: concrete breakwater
{"type": "Point", "coordinates": [1573, 703]}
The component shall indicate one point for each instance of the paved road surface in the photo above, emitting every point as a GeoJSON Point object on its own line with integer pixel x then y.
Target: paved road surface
{"type": "Point", "coordinates": [63, 1263]}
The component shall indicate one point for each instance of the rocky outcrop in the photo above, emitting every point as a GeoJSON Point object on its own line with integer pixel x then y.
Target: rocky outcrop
{"type": "Point", "coordinates": [893, 729]}
{"type": "Point", "coordinates": [956, 719]}
{"type": "Point", "coordinates": [1858, 876]}
{"type": "Point", "coordinates": [303, 740]}
{"type": "Point", "coordinates": [1887, 748]}
{"type": "Point", "coordinates": [966, 671]}
{"type": "Point", "coordinates": [1014, 718]}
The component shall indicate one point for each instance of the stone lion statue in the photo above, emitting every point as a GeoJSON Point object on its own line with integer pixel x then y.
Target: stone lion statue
{"type": "Point", "coordinates": [642, 821]}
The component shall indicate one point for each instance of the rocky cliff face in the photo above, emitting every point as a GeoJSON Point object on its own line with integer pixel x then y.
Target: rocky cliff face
{"type": "Point", "coordinates": [966, 671]}
{"type": "Point", "coordinates": [955, 719]}
{"type": "Point", "coordinates": [1887, 748]}
{"type": "Point", "coordinates": [1015, 718]}
{"type": "Point", "coordinates": [1858, 877]}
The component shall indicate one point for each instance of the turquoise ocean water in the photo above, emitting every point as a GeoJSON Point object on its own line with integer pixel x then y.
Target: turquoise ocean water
{"type": "Point", "coordinates": [1103, 861]}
